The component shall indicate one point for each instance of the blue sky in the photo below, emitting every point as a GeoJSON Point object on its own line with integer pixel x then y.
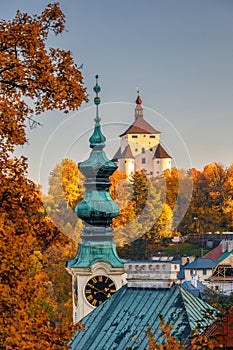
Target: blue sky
{"type": "Point", "coordinates": [178, 52]}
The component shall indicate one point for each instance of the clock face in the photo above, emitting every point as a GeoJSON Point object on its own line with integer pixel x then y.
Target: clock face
{"type": "Point", "coordinates": [98, 289]}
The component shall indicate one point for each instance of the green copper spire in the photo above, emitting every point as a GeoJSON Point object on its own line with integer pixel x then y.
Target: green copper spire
{"type": "Point", "coordinates": [97, 209]}
{"type": "Point", "coordinates": [97, 139]}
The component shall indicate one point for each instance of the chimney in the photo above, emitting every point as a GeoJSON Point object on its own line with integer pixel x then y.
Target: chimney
{"type": "Point", "coordinates": [230, 246]}
{"type": "Point", "coordinates": [194, 281]}
{"type": "Point", "coordinates": [224, 245]}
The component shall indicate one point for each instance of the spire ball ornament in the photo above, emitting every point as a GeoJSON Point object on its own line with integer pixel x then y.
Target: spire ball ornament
{"type": "Point", "coordinates": [96, 89]}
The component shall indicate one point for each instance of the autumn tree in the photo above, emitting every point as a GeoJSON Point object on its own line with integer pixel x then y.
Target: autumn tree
{"type": "Point", "coordinates": [125, 226]}
{"type": "Point", "coordinates": [33, 79]}
{"type": "Point", "coordinates": [144, 215]}
{"type": "Point", "coordinates": [210, 209]}
{"type": "Point", "coordinates": [65, 191]}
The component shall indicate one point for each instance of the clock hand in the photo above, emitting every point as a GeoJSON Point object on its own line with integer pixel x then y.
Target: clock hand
{"type": "Point", "coordinates": [100, 291]}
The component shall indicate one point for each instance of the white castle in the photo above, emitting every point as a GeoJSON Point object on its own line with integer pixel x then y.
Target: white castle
{"type": "Point", "coordinates": [140, 148]}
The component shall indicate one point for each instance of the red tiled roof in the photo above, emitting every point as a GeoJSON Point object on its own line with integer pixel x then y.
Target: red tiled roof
{"type": "Point", "coordinates": [222, 330]}
{"type": "Point", "coordinates": [127, 153]}
{"type": "Point", "coordinates": [215, 253]}
{"type": "Point", "coordinates": [160, 152]}
{"type": "Point", "coordinates": [117, 155]}
{"type": "Point", "coordinates": [140, 126]}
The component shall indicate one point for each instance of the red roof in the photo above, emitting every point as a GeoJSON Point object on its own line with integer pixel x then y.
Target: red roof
{"type": "Point", "coordinates": [160, 152]}
{"type": "Point", "coordinates": [140, 126]}
{"type": "Point", "coordinates": [127, 153]}
{"type": "Point", "coordinates": [117, 155]}
{"type": "Point", "coordinates": [215, 253]}
{"type": "Point", "coordinates": [221, 330]}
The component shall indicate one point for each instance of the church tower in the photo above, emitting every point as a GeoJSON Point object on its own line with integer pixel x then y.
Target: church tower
{"type": "Point", "coordinates": [96, 269]}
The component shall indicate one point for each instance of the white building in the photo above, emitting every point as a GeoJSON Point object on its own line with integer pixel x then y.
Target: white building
{"type": "Point", "coordinates": [140, 148]}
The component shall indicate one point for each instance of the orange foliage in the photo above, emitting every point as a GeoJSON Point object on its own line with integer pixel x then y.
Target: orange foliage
{"type": "Point", "coordinates": [49, 78]}
{"type": "Point", "coordinates": [169, 343]}
{"type": "Point", "coordinates": [33, 79]}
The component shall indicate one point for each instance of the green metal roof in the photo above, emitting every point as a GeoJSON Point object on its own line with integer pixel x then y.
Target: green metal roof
{"type": "Point", "coordinates": [90, 253]}
{"type": "Point", "coordinates": [122, 321]}
{"type": "Point", "coordinates": [224, 256]}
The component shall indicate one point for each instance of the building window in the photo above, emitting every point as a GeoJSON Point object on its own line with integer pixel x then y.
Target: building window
{"type": "Point", "coordinates": [151, 149]}
{"type": "Point", "coordinates": [143, 150]}
{"type": "Point", "coordinates": [191, 272]}
{"type": "Point", "coordinates": [169, 162]}
{"type": "Point", "coordinates": [204, 272]}
{"type": "Point", "coordinates": [143, 160]}
{"type": "Point", "coordinates": [144, 135]}
{"type": "Point", "coordinates": [157, 172]}
{"type": "Point", "coordinates": [134, 136]}
{"type": "Point", "coordinates": [157, 161]}
{"type": "Point", "coordinates": [151, 172]}
{"type": "Point", "coordinates": [152, 136]}
{"type": "Point", "coordinates": [136, 149]}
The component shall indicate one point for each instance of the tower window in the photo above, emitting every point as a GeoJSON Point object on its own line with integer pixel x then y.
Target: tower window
{"type": "Point", "coordinates": [134, 136]}
{"type": "Point", "coordinates": [143, 160]}
{"type": "Point", "coordinates": [152, 136]}
{"type": "Point", "coordinates": [143, 150]}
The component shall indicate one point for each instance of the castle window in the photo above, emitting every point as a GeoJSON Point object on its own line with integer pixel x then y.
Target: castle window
{"type": "Point", "coordinates": [143, 160]}
{"type": "Point", "coordinates": [152, 136]}
{"type": "Point", "coordinates": [134, 136]}
{"type": "Point", "coordinates": [143, 150]}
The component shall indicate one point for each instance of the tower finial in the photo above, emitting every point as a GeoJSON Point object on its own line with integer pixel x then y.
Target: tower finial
{"type": "Point", "coordinates": [97, 139]}
{"type": "Point", "coordinates": [138, 100]}
{"type": "Point", "coordinates": [97, 100]}
{"type": "Point", "coordinates": [138, 109]}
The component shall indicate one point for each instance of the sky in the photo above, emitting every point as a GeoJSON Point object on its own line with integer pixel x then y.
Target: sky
{"type": "Point", "coordinates": [180, 55]}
